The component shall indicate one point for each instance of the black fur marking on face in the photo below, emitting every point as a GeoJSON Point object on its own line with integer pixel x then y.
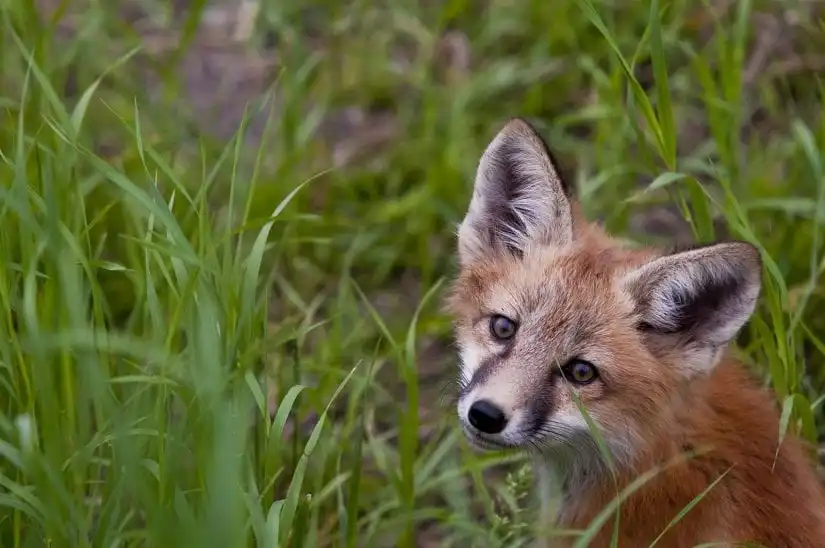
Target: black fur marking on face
{"type": "Point", "coordinates": [482, 374]}
{"type": "Point", "coordinates": [540, 407]}
{"type": "Point", "coordinates": [538, 411]}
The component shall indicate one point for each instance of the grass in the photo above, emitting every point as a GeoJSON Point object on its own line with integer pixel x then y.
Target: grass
{"type": "Point", "coordinates": [152, 275]}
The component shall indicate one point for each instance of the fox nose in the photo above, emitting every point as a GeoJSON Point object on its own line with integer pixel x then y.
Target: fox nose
{"type": "Point", "coordinates": [486, 417]}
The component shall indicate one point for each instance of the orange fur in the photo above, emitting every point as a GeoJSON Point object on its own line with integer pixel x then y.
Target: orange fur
{"type": "Point", "coordinates": [659, 392]}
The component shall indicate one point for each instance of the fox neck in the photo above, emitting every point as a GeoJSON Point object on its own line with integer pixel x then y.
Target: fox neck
{"type": "Point", "coordinates": [568, 475]}
{"type": "Point", "coordinates": [570, 484]}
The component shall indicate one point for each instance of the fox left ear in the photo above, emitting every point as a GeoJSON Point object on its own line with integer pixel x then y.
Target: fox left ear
{"type": "Point", "coordinates": [702, 297]}
{"type": "Point", "coordinates": [519, 200]}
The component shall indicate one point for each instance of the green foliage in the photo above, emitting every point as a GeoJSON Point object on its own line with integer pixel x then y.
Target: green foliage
{"type": "Point", "coordinates": [238, 342]}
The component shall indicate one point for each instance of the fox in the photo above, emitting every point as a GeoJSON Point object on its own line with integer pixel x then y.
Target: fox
{"type": "Point", "coordinates": [560, 327]}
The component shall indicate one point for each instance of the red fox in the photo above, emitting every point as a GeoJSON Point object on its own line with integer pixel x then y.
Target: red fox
{"type": "Point", "coordinates": [552, 315]}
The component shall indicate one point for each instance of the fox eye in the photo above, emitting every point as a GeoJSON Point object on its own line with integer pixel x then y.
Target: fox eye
{"type": "Point", "coordinates": [580, 371]}
{"type": "Point", "coordinates": [502, 328]}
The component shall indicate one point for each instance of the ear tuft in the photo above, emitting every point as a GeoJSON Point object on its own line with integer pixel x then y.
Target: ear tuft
{"type": "Point", "coordinates": [519, 200]}
{"type": "Point", "coordinates": [704, 296]}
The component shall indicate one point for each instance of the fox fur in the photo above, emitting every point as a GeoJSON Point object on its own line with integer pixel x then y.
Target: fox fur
{"type": "Point", "coordinates": [654, 327]}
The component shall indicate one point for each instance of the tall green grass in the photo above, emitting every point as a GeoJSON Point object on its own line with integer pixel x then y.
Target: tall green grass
{"type": "Point", "coordinates": [153, 277]}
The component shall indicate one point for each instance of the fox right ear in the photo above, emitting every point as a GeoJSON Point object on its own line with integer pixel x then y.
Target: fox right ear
{"type": "Point", "coordinates": [702, 297]}
{"type": "Point", "coordinates": [519, 200]}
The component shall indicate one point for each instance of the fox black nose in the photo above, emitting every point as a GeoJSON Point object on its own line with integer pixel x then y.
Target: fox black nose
{"type": "Point", "coordinates": [487, 417]}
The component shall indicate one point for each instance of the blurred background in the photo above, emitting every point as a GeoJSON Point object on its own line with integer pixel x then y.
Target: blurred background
{"type": "Point", "coordinates": [227, 227]}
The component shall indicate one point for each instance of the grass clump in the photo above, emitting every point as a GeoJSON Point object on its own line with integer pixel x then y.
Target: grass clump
{"type": "Point", "coordinates": [231, 337]}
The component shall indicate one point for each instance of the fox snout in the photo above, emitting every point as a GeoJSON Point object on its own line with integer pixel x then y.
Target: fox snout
{"type": "Point", "coordinates": [507, 414]}
{"type": "Point", "coordinates": [485, 420]}
{"type": "Point", "coordinates": [486, 424]}
{"type": "Point", "coordinates": [497, 412]}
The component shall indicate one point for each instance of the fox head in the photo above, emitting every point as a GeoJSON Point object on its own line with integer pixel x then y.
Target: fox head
{"type": "Point", "coordinates": [552, 315]}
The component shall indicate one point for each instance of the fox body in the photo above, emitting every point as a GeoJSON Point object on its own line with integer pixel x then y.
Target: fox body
{"type": "Point", "coordinates": [552, 316]}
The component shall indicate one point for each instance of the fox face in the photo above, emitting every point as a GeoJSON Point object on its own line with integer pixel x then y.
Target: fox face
{"type": "Point", "coordinates": [552, 316]}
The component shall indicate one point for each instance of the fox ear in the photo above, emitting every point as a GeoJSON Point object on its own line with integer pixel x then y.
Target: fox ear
{"type": "Point", "coordinates": [519, 199]}
{"type": "Point", "coordinates": [703, 296]}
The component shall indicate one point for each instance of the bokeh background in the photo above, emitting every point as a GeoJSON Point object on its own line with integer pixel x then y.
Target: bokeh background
{"type": "Point", "coordinates": [226, 227]}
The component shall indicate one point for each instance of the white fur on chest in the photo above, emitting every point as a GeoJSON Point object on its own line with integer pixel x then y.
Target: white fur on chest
{"type": "Point", "coordinates": [549, 488]}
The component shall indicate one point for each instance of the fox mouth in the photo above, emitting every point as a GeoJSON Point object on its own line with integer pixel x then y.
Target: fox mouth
{"type": "Point", "coordinates": [541, 440]}
{"type": "Point", "coordinates": [484, 442]}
